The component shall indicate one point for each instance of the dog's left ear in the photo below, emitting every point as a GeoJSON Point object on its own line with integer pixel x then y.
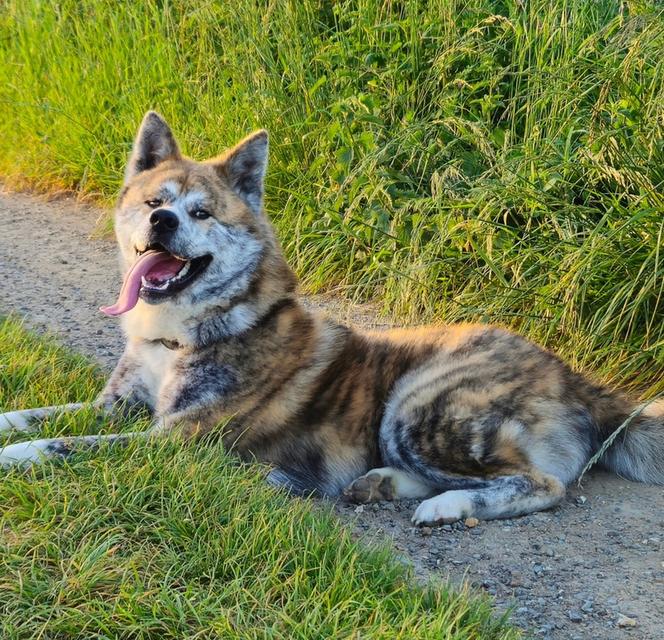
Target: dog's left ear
{"type": "Point", "coordinates": [244, 167]}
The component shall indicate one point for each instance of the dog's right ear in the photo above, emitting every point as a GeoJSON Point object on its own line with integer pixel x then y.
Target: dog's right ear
{"type": "Point", "coordinates": [154, 143]}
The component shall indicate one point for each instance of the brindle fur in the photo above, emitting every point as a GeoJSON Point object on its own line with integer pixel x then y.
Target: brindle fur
{"type": "Point", "coordinates": [474, 417]}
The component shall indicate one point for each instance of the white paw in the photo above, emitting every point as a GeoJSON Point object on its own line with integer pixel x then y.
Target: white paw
{"type": "Point", "coordinates": [21, 453]}
{"type": "Point", "coordinates": [24, 453]}
{"type": "Point", "coordinates": [447, 507]}
{"type": "Point", "coordinates": [13, 420]}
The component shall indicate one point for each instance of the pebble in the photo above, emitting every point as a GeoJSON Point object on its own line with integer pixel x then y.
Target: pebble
{"type": "Point", "coordinates": [625, 621]}
{"type": "Point", "coordinates": [426, 531]}
{"type": "Point", "coordinates": [516, 580]}
{"type": "Point", "coordinates": [471, 522]}
{"type": "Point", "coordinates": [574, 615]}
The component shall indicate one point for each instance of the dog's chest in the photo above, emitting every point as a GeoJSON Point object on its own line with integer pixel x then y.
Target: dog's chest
{"type": "Point", "coordinates": [180, 382]}
{"type": "Point", "coordinates": [157, 365]}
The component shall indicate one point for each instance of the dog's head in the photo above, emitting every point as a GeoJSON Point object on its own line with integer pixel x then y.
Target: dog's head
{"type": "Point", "coordinates": [193, 237]}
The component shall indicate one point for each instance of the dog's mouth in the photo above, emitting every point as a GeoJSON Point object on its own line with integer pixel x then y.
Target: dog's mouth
{"type": "Point", "coordinates": [156, 275]}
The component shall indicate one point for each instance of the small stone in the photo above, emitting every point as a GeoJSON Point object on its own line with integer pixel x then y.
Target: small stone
{"type": "Point", "coordinates": [426, 531]}
{"type": "Point", "coordinates": [587, 606]}
{"type": "Point", "coordinates": [625, 621]}
{"type": "Point", "coordinates": [447, 527]}
{"type": "Point", "coordinates": [359, 509]}
{"type": "Point", "coordinates": [574, 615]}
{"type": "Point", "coordinates": [581, 500]}
{"type": "Point", "coordinates": [471, 522]}
{"type": "Point", "coordinates": [516, 580]}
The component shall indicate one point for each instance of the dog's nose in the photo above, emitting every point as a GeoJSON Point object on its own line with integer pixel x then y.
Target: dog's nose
{"type": "Point", "coordinates": [163, 220]}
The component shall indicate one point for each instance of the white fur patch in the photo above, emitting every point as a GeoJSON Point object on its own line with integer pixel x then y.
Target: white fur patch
{"type": "Point", "coordinates": [23, 453]}
{"type": "Point", "coordinates": [447, 507]}
{"type": "Point", "coordinates": [15, 420]}
{"type": "Point", "coordinates": [170, 189]}
{"type": "Point", "coordinates": [404, 484]}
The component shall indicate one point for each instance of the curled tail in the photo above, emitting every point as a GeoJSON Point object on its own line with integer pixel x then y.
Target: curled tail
{"type": "Point", "coordinates": [637, 452]}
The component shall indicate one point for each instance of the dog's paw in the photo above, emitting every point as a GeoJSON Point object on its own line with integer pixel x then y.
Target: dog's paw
{"type": "Point", "coordinates": [13, 420]}
{"type": "Point", "coordinates": [446, 508]}
{"type": "Point", "coordinates": [21, 453]}
{"type": "Point", "coordinates": [26, 453]}
{"type": "Point", "coordinates": [372, 487]}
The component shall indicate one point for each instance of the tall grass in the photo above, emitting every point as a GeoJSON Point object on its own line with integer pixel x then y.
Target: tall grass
{"type": "Point", "coordinates": [480, 159]}
{"type": "Point", "coordinates": [176, 541]}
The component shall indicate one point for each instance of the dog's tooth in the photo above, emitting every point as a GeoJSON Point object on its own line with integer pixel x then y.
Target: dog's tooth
{"type": "Point", "coordinates": [182, 273]}
{"type": "Point", "coordinates": [144, 282]}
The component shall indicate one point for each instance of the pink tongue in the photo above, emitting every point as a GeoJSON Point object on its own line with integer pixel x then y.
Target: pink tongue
{"type": "Point", "coordinates": [159, 264]}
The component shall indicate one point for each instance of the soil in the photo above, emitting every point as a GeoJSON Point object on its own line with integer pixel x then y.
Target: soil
{"type": "Point", "coordinates": [591, 568]}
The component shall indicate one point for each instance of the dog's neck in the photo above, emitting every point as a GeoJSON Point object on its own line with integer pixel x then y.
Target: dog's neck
{"type": "Point", "coordinates": [217, 325]}
{"type": "Point", "coordinates": [223, 326]}
{"type": "Point", "coordinates": [241, 320]}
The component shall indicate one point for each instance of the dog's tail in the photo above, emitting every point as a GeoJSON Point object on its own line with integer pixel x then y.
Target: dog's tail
{"type": "Point", "coordinates": [637, 431]}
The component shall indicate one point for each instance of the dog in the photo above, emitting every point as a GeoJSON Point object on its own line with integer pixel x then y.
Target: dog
{"type": "Point", "coordinates": [472, 419]}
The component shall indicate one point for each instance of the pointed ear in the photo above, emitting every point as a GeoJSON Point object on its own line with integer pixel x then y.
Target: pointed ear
{"type": "Point", "coordinates": [154, 143]}
{"type": "Point", "coordinates": [244, 167]}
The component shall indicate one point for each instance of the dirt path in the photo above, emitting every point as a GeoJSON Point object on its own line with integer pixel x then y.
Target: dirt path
{"type": "Point", "coordinates": [569, 573]}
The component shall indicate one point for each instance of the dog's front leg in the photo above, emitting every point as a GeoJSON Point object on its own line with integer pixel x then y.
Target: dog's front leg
{"type": "Point", "coordinates": [26, 453]}
{"type": "Point", "coordinates": [127, 391]}
{"type": "Point", "coordinates": [27, 420]}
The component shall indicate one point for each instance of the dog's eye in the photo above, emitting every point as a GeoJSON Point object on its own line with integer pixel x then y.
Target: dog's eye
{"type": "Point", "coordinates": [200, 214]}
{"type": "Point", "coordinates": [153, 204]}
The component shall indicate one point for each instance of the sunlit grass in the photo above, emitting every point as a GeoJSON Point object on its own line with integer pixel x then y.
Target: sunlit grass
{"type": "Point", "coordinates": [496, 160]}
{"type": "Point", "coordinates": [178, 540]}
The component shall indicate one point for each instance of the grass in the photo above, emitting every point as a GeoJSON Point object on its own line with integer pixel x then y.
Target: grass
{"type": "Point", "coordinates": [180, 541]}
{"type": "Point", "coordinates": [491, 160]}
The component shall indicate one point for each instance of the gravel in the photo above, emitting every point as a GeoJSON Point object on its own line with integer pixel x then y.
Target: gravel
{"type": "Point", "coordinates": [591, 568]}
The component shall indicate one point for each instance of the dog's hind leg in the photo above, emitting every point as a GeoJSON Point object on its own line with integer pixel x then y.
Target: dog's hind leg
{"type": "Point", "coordinates": [31, 451]}
{"type": "Point", "coordinates": [27, 420]}
{"type": "Point", "coordinates": [502, 497]}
